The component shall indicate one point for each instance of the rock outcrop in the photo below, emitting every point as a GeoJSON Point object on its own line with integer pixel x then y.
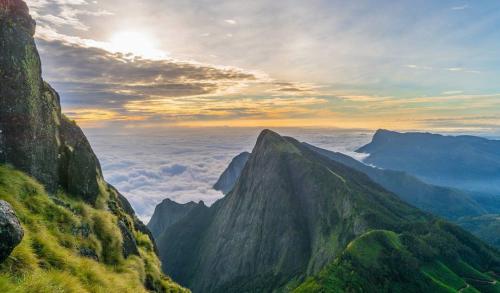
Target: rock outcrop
{"type": "Point", "coordinates": [11, 232]}
{"type": "Point", "coordinates": [129, 243]}
{"type": "Point", "coordinates": [229, 177]}
{"type": "Point", "coordinates": [34, 136]}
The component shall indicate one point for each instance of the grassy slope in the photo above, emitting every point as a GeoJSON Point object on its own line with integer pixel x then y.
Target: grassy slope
{"type": "Point", "coordinates": [48, 258]}
{"type": "Point", "coordinates": [436, 260]}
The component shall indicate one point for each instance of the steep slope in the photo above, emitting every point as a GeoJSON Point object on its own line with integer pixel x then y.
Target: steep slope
{"type": "Point", "coordinates": [464, 162]}
{"type": "Point", "coordinates": [87, 231]}
{"type": "Point", "coordinates": [71, 246]}
{"type": "Point", "coordinates": [168, 213]}
{"type": "Point", "coordinates": [470, 210]}
{"type": "Point", "coordinates": [291, 212]}
{"type": "Point", "coordinates": [230, 175]}
{"type": "Point", "coordinates": [462, 207]}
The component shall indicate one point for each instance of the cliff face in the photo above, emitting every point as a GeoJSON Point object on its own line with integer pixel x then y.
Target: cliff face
{"type": "Point", "coordinates": [34, 136]}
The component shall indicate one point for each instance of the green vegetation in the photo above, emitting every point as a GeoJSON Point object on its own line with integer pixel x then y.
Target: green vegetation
{"type": "Point", "coordinates": [437, 257]}
{"type": "Point", "coordinates": [59, 231]}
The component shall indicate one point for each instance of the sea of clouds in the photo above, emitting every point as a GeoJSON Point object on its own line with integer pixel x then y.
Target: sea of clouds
{"type": "Point", "coordinates": [149, 165]}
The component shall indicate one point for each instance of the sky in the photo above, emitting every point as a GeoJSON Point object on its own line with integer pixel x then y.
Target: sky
{"type": "Point", "coordinates": [431, 65]}
{"type": "Point", "coordinates": [168, 92]}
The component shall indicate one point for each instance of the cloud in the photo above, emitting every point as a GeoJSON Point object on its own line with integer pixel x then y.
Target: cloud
{"type": "Point", "coordinates": [96, 77]}
{"type": "Point", "coordinates": [173, 170]}
{"type": "Point", "coordinates": [421, 67]}
{"type": "Point", "coordinates": [452, 92]}
{"type": "Point", "coordinates": [98, 85]}
{"type": "Point", "coordinates": [461, 7]}
{"type": "Point", "coordinates": [230, 21]}
{"type": "Point", "coordinates": [64, 13]}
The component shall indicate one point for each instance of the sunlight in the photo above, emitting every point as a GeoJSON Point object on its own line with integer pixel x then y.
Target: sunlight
{"type": "Point", "coordinates": [137, 43]}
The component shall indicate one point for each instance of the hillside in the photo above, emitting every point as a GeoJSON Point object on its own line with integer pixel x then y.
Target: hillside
{"type": "Point", "coordinates": [464, 162]}
{"type": "Point", "coordinates": [291, 215]}
{"type": "Point", "coordinates": [71, 246]}
{"type": "Point", "coordinates": [437, 257]}
{"type": "Point", "coordinates": [78, 233]}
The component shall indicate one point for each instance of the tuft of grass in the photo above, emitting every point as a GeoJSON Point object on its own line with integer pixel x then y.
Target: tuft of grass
{"type": "Point", "coordinates": [48, 258]}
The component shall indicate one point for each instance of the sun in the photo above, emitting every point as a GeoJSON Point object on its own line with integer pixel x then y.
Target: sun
{"type": "Point", "coordinates": [137, 43]}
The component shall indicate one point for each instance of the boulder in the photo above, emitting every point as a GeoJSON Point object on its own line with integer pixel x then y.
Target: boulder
{"type": "Point", "coordinates": [11, 232]}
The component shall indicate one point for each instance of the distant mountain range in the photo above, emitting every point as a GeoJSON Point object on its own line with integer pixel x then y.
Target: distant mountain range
{"type": "Point", "coordinates": [298, 220]}
{"type": "Point", "coordinates": [464, 162]}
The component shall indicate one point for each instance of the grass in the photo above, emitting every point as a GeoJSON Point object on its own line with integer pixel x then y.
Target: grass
{"type": "Point", "coordinates": [48, 258]}
{"type": "Point", "coordinates": [368, 247]}
{"type": "Point", "coordinates": [384, 261]}
{"type": "Point", "coordinates": [442, 275]}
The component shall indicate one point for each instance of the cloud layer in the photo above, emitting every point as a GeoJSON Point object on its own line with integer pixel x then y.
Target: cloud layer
{"type": "Point", "coordinates": [149, 165]}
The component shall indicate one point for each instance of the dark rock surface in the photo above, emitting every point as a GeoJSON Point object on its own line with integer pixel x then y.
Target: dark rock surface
{"type": "Point", "coordinates": [229, 177]}
{"type": "Point", "coordinates": [11, 232]}
{"type": "Point", "coordinates": [29, 109]}
{"type": "Point", "coordinates": [80, 169]}
{"type": "Point", "coordinates": [129, 243]}
{"type": "Point", "coordinates": [88, 252]}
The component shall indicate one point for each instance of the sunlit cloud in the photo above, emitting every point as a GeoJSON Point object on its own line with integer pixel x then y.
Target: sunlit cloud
{"type": "Point", "coordinates": [299, 64]}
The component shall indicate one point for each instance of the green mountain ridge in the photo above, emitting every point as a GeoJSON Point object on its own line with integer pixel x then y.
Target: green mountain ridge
{"type": "Point", "coordinates": [291, 222]}
{"type": "Point", "coordinates": [462, 207]}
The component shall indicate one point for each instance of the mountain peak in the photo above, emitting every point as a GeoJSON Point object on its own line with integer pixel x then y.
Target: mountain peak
{"type": "Point", "coordinates": [269, 140]}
